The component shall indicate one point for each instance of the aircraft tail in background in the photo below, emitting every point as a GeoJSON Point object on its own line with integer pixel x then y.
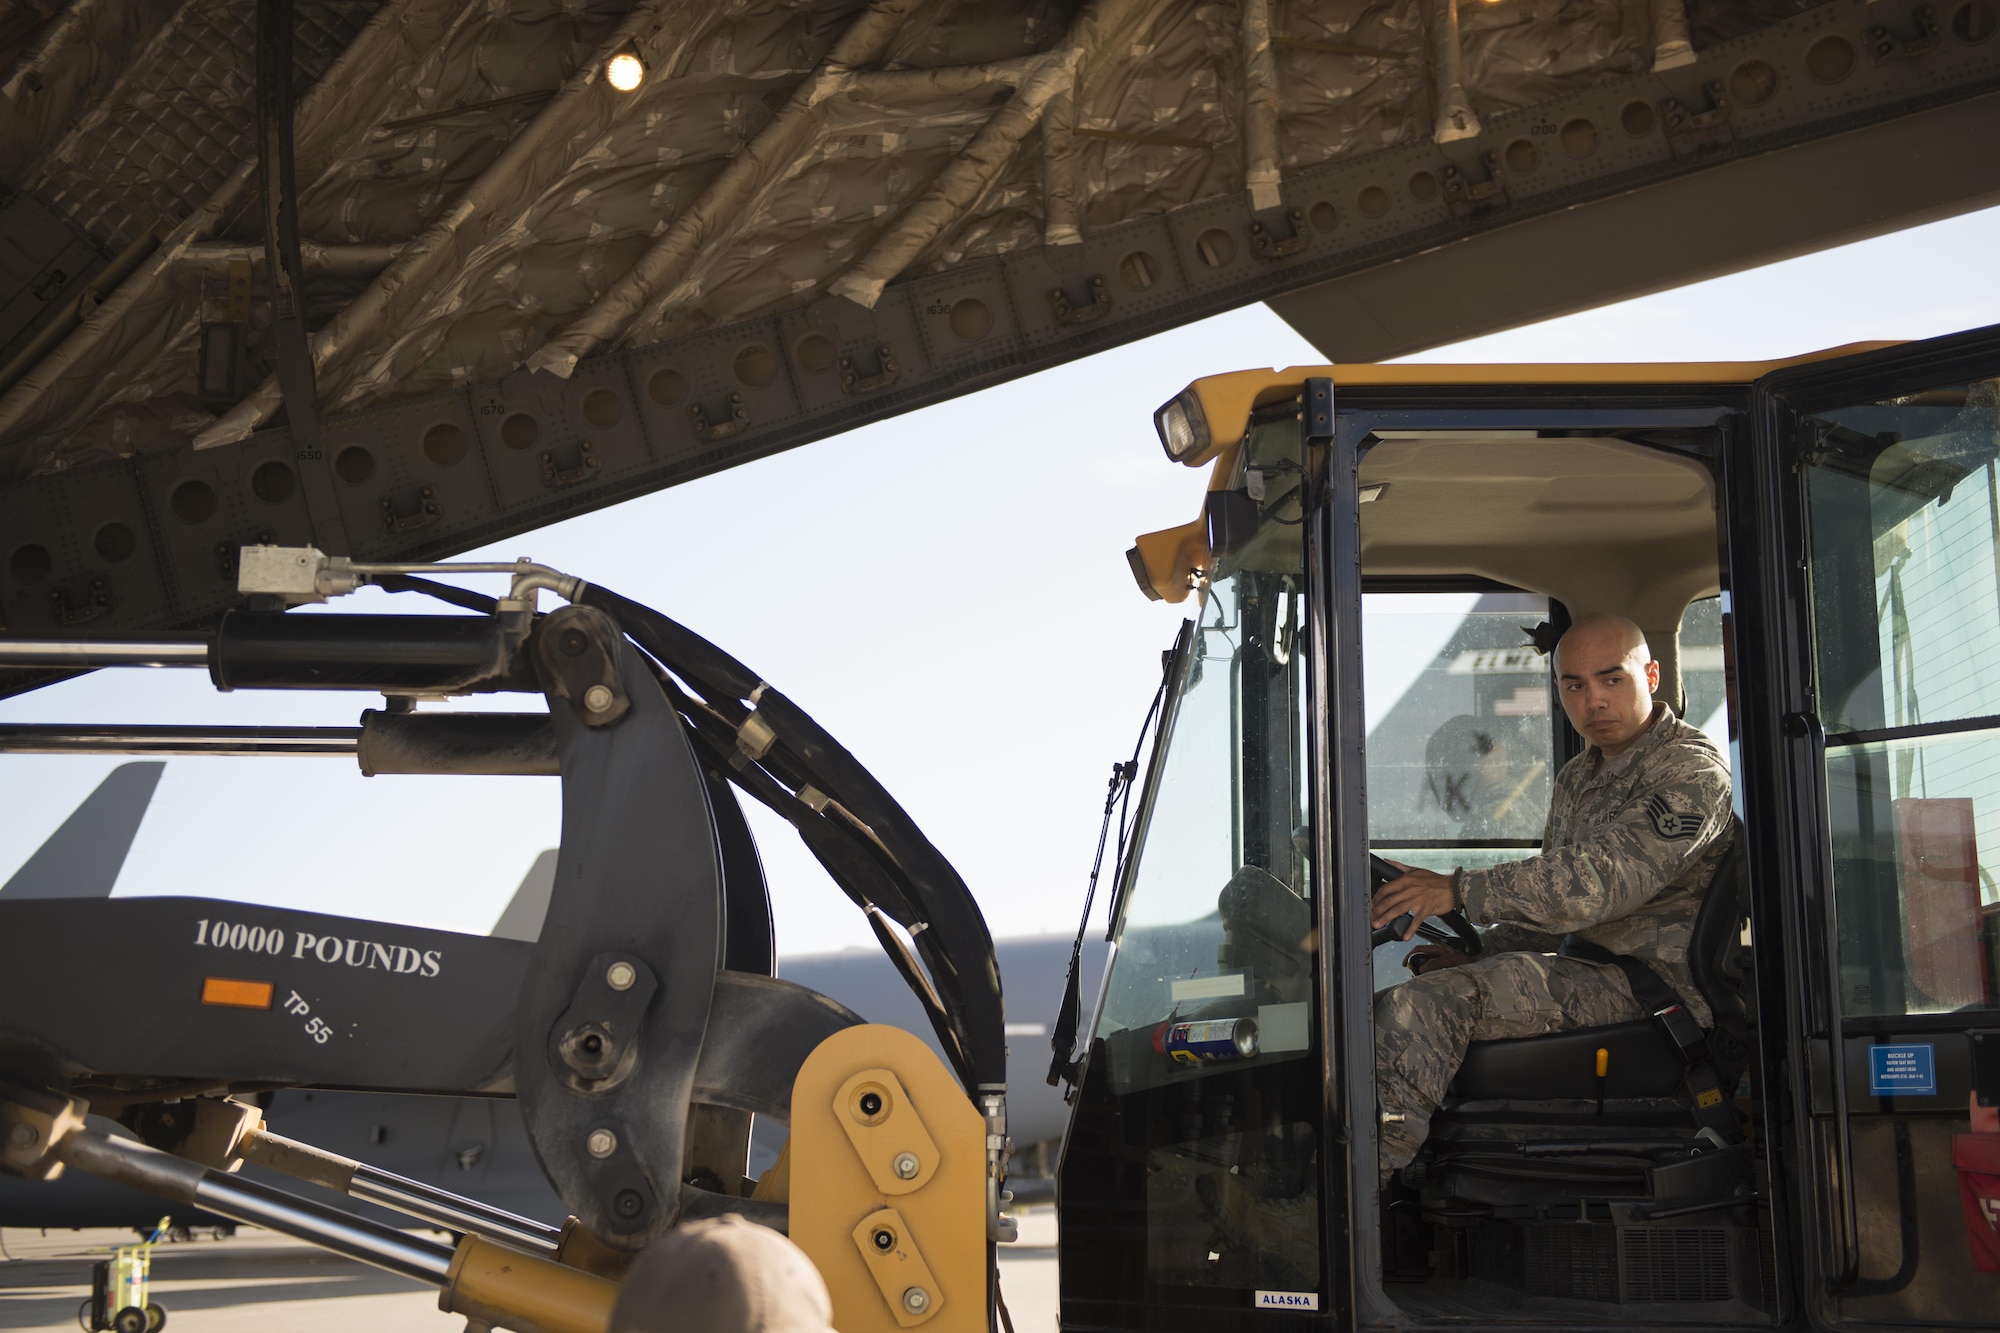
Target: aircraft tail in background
{"type": "Point", "coordinates": [522, 918]}
{"type": "Point", "coordinates": [82, 858]}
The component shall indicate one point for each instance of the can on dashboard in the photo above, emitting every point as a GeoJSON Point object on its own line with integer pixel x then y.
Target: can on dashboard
{"type": "Point", "coordinates": [1199, 1041]}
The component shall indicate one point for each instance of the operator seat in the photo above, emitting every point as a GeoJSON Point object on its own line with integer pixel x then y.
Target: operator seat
{"type": "Point", "coordinates": [1536, 1105]}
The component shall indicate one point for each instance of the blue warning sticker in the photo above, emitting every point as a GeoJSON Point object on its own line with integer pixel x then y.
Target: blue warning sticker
{"type": "Point", "coordinates": [1903, 1070]}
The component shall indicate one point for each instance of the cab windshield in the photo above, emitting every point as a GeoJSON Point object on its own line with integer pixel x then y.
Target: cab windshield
{"type": "Point", "coordinates": [1215, 919]}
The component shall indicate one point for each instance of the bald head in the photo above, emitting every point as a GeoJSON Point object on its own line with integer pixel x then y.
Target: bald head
{"type": "Point", "coordinates": [1601, 631]}
{"type": "Point", "coordinates": [1605, 676]}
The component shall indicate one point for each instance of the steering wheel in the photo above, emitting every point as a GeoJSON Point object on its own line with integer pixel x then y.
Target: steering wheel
{"type": "Point", "coordinates": [1451, 930]}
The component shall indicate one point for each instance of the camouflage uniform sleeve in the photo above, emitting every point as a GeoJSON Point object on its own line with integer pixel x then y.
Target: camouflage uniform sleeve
{"type": "Point", "coordinates": [1664, 826]}
{"type": "Point", "coordinates": [1512, 937]}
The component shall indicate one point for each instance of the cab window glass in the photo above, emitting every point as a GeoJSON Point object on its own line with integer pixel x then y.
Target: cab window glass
{"type": "Point", "coordinates": [1460, 745]}
{"type": "Point", "coordinates": [1904, 525]}
{"type": "Point", "coordinates": [1705, 697]}
{"type": "Point", "coordinates": [1906, 618]}
{"type": "Point", "coordinates": [1217, 916]}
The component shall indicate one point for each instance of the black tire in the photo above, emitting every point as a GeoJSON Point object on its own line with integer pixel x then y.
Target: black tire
{"type": "Point", "coordinates": [156, 1317]}
{"type": "Point", "coordinates": [131, 1319]}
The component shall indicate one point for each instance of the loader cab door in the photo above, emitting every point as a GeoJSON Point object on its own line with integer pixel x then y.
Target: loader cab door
{"type": "Point", "coordinates": [1561, 1176]}
{"type": "Point", "coordinates": [1877, 524]}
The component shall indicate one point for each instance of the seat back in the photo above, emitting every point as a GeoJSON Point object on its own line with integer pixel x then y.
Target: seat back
{"type": "Point", "coordinates": [1720, 961]}
{"type": "Point", "coordinates": [1716, 955]}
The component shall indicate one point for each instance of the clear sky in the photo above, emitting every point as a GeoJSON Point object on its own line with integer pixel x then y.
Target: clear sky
{"type": "Point", "coordinates": [946, 592]}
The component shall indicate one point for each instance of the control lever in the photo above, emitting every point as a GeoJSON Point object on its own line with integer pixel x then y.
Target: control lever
{"type": "Point", "coordinates": [1460, 935]}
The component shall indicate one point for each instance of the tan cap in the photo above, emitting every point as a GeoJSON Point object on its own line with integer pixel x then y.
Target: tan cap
{"type": "Point", "coordinates": [722, 1275]}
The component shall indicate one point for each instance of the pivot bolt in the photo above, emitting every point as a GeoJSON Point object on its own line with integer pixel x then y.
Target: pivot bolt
{"type": "Point", "coordinates": [871, 1104]}
{"type": "Point", "coordinates": [23, 1136]}
{"type": "Point", "coordinates": [620, 976]}
{"type": "Point", "coordinates": [597, 698]}
{"type": "Point", "coordinates": [602, 1143]}
{"type": "Point", "coordinates": [907, 1166]}
{"type": "Point", "coordinates": [916, 1300]}
{"type": "Point", "coordinates": [628, 1203]}
{"type": "Point", "coordinates": [885, 1239]}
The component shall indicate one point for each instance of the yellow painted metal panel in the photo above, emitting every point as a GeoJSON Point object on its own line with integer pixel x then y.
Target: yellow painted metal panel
{"type": "Point", "coordinates": [942, 1223]}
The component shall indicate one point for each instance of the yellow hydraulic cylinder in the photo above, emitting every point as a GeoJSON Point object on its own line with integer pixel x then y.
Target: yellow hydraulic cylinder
{"type": "Point", "coordinates": [505, 1288]}
{"type": "Point", "coordinates": [579, 1248]}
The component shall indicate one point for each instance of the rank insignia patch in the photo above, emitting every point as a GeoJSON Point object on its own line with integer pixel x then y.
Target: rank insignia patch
{"type": "Point", "coordinates": [1671, 823]}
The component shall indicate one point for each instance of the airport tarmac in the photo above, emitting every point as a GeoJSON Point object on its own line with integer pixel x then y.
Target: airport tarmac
{"type": "Point", "coordinates": [256, 1280]}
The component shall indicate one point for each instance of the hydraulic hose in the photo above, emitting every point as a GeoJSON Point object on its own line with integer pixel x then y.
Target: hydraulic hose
{"type": "Point", "coordinates": [444, 592]}
{"type": "Point", "coordinates": [847, 862]}
{"type": "Point", "coordinates": [951, 933]}
{"type": "Point", "coordinates": [866, 841]}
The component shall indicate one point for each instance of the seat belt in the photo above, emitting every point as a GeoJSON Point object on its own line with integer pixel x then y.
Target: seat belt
{"type": "Point", "coordinates": [1670, 1012]}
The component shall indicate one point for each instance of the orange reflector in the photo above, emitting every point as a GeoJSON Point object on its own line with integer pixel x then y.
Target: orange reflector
{"type": "Point", "coordinates": [1603, 1061]}
{"type": "Point", "coordinates": [236, 994]}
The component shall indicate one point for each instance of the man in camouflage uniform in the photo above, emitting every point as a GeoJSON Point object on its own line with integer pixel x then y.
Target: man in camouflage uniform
{"type": "Point", "coordinates": [1636, 827]}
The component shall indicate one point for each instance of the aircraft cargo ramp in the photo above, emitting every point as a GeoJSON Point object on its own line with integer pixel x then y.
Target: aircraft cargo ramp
{"type": "Point", "coordinates": [513, 292]}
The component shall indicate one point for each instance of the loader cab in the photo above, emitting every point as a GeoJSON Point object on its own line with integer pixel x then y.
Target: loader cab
{"type": "Point", "coordinates": [1383, 552]}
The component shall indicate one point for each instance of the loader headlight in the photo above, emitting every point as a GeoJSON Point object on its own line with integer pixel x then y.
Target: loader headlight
{"type": "Point", "coordinates": [1183, 429]}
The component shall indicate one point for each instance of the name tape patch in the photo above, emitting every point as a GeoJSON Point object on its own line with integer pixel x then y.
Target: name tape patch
{"type": "Point", "coordinates": [1288, 1300]}
{"type": "Point", "coordinates": [1907, 1069]}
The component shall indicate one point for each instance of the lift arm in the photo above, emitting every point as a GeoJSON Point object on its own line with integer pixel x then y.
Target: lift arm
{"type": "Point", "coordinates": [615, 1031]}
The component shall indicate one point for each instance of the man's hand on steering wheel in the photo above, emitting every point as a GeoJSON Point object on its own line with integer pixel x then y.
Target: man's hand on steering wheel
{"type": "Point", "coordinates": [1422, 893]}
{"type": "Point", "coordinates": [1432, 958]}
